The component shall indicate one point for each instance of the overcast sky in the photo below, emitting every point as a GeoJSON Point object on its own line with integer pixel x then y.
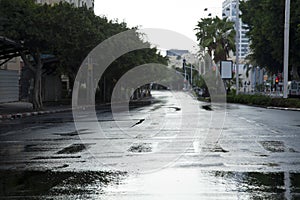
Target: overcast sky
{"type": "Point", "coordinates": [174, 15]}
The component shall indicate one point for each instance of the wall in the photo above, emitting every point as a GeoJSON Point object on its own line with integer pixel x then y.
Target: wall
{"type": "Point", "coordinates": [9, 86]}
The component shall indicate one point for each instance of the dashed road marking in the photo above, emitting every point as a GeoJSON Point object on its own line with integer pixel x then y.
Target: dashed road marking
{"type": "Point", "coordinates": [274, 131]}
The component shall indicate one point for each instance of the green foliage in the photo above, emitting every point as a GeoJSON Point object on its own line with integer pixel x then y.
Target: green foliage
{"type": "Point", "coordinates": [262, 100]}
{"type": "Point", "coordinates": [217, 35]}
{"type": "Point", "coordinates": [69, 33]}
{"type": "Point", "coordinates": [125, 63]}
{"type": "Point", "coordinates": [250, 99]}
{"type": "Point", "coordinates": [265, 19]}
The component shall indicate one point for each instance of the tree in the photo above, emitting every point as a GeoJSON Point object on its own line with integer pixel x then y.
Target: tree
{"type": "Point", "coordinates": [126, 62]}
{"type": "Point", "coordinates": [217, 35]}
{"type": "Point", "coordinates": [27, 23]}
{"type": "Point", "coordinates": [65, 31]}
{"type": "Point", "coordinates": [73, 39]}
{"type": "Point", "coordinates": [265, 20]}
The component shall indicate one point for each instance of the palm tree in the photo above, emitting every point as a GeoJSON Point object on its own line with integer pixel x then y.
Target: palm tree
{"type": "Point", "coordinates": [205, 34]}
{"type": "Point", "coordinates": [217, 35]}
{"type": "Point", "coordinates": [225, 39]}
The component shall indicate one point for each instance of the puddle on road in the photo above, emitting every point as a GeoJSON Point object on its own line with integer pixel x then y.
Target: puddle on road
{"type": "Point", "coordinates": [74, 148]}
{"type": "Point", "coordinates": [54, 157]}
{"type": "Point", "coordinates": [175, 108]}
{"type": "Point", "coordinates": [259, 185]}
{"type": "Point", "coordinates": [214, 148]}
{"type": "Point", "coordinates": [207, 107]}
{"type": "Point", "coordinates": [271, 185]}
{"type": "Point", "coordinates": [141, 148]}
{"type": "Point", "coordinates": [295, 182]}
{"type": "Point", "coordinates": [50, 120]}
{"type": "Point", "coordinates": [9, 149]}
{"type": "Point", "coordinates": [42, 184]}
{"type": "Point", "coordinates": [37, 148]}
{"type": "Point", "coordinates": [74, 133]}
{"type": "Point", "coordinates": [273, 146]}
{"type": "Point", "coordinates": [139, 122]}
{"type": "Point", "coordinates": [276, 146]}
{"type": "Point", "coordinates": [196, 184]}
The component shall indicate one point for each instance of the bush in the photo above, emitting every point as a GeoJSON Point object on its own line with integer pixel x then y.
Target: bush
{"type": "Point", "coordinates": [261, 100]}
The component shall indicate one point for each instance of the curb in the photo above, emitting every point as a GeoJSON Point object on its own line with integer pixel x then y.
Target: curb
{"type": "Point", "coordinates": [33, 113]}
{"type": "Point", "coordinates": [281, 108]}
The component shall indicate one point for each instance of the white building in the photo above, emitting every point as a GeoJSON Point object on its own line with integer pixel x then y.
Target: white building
{"type": "Point", "coordinates": [229, 11]}
{"type": "Point", "coordinates": [77, 3]}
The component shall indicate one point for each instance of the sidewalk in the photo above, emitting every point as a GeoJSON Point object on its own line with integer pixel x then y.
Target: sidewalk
{"type": "Point", "coordinates": [282, 108]}
{"type": "Point", "coordinates": [15, 110]}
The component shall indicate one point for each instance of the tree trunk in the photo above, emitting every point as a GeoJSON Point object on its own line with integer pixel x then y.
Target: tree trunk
{"type": "Point", "coordinates": [37, 91]}
{"type": "Point", "coordinates": [295, 73]}
{"type": "Point", "coordinates": [37, 71]}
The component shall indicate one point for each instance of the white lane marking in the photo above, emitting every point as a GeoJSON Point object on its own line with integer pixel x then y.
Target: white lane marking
{"type": "Point", "coordinates": [196, 146]}
{"type": "Point", "coordinates": [274, 131]}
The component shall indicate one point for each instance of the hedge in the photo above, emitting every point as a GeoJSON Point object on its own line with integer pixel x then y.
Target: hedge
{"type": "Point", "coordinates": [261, 100]}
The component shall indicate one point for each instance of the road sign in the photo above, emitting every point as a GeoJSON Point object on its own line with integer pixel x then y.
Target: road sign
{"type": "Point", "coordinates": [226, 69]}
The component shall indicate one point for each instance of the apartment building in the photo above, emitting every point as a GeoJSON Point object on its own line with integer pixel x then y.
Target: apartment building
{"type": "Point", "coordinates": [229, 12]}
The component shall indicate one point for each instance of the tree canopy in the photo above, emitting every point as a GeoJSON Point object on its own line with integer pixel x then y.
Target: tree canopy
{"type": "Point", "coordinates": [217, 35]}
{"type": "Point", "coordinates": [65, 31]}
{"type": "Point", "coordinates": [265, 19]}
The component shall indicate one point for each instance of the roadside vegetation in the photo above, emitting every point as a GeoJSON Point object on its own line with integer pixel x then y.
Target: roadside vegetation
{"type": "Point", "coordinates": [265, 20]}
{"type": "Point", "coordinates": [258, 100]}
{"type": "Point", "coordinates": [67, 34]}
{"type": "Point", "coordinates": [262, 100]}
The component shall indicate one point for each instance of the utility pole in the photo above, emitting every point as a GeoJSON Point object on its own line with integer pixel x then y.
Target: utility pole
{"type": "Point", "coordinates": [184, 72]}
{"type": "Point", "coordinates": [191, 75]}
{"type": "Point", "coordinates": [237, 39]}
{"type": "Point", "coordinates": [286, 48]}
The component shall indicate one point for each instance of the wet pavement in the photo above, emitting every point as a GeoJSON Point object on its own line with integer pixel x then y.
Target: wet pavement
{"type": "Point", "coordinates": [157, 151]}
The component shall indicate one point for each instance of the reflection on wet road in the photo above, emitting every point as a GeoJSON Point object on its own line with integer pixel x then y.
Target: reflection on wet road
{"type": "Point", "coordinates": [154, 153]}
{"type": "Point", "coordinates": [55, 184]}
{"type": "Point", "coordinates": [200, 184]}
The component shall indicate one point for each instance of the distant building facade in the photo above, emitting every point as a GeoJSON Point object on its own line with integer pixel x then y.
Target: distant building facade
{"type": "Point", "coordinates": [175, 57]}
{"type": "Point", "coordinates": [12, 64]}
{"type": "Point", "coordinates": [77, 3]}
{"type": "Point", "coordinates": [229, 12]}
{"type": "Point", "coordinates": [176, 52]}
{"type": "Point", "coordinates": [10, 68]}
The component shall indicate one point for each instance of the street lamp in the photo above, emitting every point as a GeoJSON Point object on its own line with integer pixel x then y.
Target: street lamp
{"type": "Point", "coordinates": [183, 67]}
{"type": "Point", "coordinates": [286, 48]}
{"type": "Point", "coordinates": [237, 38]}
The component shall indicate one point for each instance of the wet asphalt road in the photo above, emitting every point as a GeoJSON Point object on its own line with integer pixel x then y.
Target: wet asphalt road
{"type": "Point", "coordinates": [171, 149]}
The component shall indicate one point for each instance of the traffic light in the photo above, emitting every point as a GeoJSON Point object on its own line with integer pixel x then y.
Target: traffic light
{"type": "Point", "coordinates": [276, 80]}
